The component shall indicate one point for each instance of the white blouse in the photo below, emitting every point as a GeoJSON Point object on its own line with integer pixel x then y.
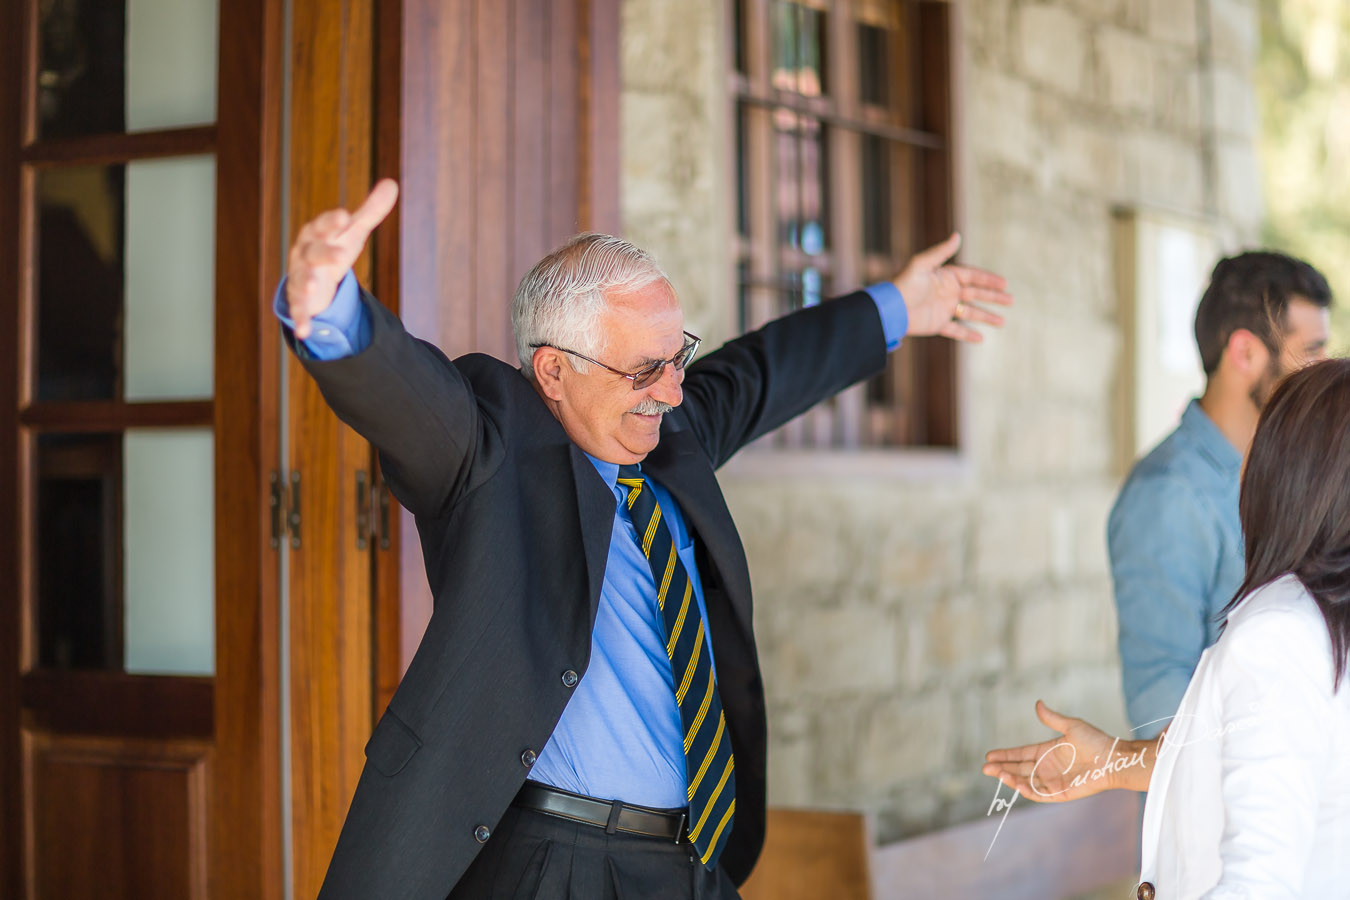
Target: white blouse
{"type": "Point", "coordinates": [1250, 794]}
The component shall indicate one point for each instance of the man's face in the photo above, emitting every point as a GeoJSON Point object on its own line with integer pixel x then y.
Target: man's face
{"type": "Point", "coordinates": [1307, 330]}
{"type": "Point", "coordinates": [599, 409]}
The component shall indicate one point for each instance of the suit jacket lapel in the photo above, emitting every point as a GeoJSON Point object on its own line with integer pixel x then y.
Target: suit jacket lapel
{"type": "Point", "coordinates": [595, 509]}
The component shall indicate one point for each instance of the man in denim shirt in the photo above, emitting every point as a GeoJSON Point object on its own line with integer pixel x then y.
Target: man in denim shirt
{"type": "Point", "coordinates": [1174, 537]}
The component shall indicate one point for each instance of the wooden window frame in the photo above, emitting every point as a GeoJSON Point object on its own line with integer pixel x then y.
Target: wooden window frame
{"type": "Point", "coordinates": [922, 412]}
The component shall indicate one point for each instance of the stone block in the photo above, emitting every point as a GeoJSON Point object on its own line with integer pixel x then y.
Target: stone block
{"type": "Point", "coordinates": [1166, 171]}
{"type": "Point", "coordinates": [922, 548]}
{"type": "Point", "coordinates": [903, 738]}
{"type": "Point", "coordinates": [1086, 156]}
{"type": "Point", "coordinates": [986, 24]}
{"type": "Point", "coordinates": [827, 652]}
{"type": "Point", "coordinates": [1177, 95]}
{"type": "Point", "coordinates": [1053, 47]}
{"type": "Point", "coordinates": [1012, 536]}
{"type": "Point", "coordinates": [966, 637]}
{"type": "Point", "coordinates": [1128, 70]}
{"type": "Point", "coordinates": [671, 44]}
{"type": "Point", "coordinates": [1234, 32]}
{"type": "Point", "coordinates": [1240, 183]}
{"type": "Point", "coordinates": [1235, 113]}
{"type": "Point", "coordinates": [1001, 104]}
{"type": "Point", "coordinates": [1172, 21]}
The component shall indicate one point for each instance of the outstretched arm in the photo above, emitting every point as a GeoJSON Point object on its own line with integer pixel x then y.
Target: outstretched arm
{"type": "Point", "coordinates": [1082, 761]}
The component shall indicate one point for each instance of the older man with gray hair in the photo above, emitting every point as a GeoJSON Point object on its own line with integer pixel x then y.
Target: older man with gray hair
{"type": "Point", "coordinates": [584, 716]}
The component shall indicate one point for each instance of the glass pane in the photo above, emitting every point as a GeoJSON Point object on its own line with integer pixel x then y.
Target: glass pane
{"type": "Point", "coordinates": [126, 551]}
{"type": "Point", "coordinates": [799, 49]}
{"type": "Point", "coordinates": [107, 66]}
{"type": "Point", "coordinates": [168, 522]}
{"type": "Point", "coordinates": [125, 293]}
{"type": "Point", "coordinates": [79, 282]}
{"type": "Point", "coordinates": [874, 73]}
{"type": "Point", "coordinates": [78, 578]}
{"type": "Point", "coordinates": [802, 178]}
{"type": "Point", "coordinates": [170, 278]}
{"type": "Point", "coordinates": [876, 194]}
{"type": "Point", "coordinates": [171, 63]}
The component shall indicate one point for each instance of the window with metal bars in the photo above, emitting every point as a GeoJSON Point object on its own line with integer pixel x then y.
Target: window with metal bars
{"type": "Point", "coordinates": [842, 114]}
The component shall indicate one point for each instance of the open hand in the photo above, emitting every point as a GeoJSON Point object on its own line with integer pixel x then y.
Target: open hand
{"type": "Point", "coordinates": [326, 248]}
{"type": "Point", "coordinates": [941, 298]}
{"type": "Point", "coordinates": [1083, 761]}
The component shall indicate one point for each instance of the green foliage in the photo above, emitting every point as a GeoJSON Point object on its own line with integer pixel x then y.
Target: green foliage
{"type": "Point", "coordinates": [1303, 89]}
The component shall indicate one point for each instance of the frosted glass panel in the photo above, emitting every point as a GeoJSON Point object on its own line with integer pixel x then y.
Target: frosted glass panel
{"type": "Point", "coordinates": [169, 263]}
{"type": "Point", "coordinates": [169, 542]}
{"type": "Point", "coordinates": [170, 63]}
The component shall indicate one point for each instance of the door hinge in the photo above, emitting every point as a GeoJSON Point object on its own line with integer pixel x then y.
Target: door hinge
{"type": "Point", "coordinates": [372, 512]}
{"type": "Point", "coordinates": [285, 507]}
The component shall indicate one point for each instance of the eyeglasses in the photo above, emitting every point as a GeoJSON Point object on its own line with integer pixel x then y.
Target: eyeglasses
{"type": "Point", "coordinates": [647, 375]}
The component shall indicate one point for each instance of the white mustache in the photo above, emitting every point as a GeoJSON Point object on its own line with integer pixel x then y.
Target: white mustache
{"type": "Point", "coordinates": [650, 407]}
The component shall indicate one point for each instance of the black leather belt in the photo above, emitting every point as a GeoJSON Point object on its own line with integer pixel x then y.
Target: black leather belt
{"type": "Point", "coordinates": [610, 815]}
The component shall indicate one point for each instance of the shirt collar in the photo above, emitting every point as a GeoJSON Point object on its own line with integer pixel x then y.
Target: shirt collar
{"type": "Point", "coordinates": [608, 471]}
{"type": "Point", "coordinates": [1210, 439]}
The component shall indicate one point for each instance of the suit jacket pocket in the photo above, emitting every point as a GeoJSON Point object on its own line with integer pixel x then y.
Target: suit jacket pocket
{"type": "Point", "coordinates": [391, 745]}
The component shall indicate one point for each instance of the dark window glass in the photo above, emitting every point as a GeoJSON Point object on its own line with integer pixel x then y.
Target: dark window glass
{"type": "Point", "coordinates": [79, 552]}
{"type": "Point", "coordinates": [876, 194]}
{"type": "Point", "coordinates": [81, 67]}
{"type": "Point", "coordinates": [80, 282]}
{"type": "Point", "coordinates": [874, 72]}
{"type": "Point", "coordinates": [738, 35]}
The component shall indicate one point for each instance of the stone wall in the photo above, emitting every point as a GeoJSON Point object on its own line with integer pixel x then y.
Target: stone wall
{"type": "Point", "coordinates": [911, 610]}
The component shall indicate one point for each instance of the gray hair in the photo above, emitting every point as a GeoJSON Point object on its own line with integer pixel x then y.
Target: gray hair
{"type": "Point", "coordinates": [560, 300]}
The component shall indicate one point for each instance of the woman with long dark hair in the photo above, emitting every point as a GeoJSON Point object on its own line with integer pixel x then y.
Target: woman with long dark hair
{"type": "Point", "coordinates": [1249, 786]}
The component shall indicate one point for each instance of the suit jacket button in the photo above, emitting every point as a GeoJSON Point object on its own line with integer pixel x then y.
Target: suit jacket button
{"type": "Point", "coordinates": [570, 678]}
{"type": "Point", "coordinates": [528, 758]}
{"type": "Point", "coordinates": [481, 834]}
{"type": "Point", "coordinates": [1145, 891]}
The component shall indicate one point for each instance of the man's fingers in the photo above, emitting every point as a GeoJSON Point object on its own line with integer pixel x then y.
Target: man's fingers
{"type": "Point", "coordinates": [1052, 719]}
{"type": "Point", "coordinates": [330, 223]}
{"type": "Point", "coordinates": [971, 313]}
{"type": "Point", "coordinates": [973, 277]}
{"type": "Point", "coordinates": [322, 253]}
{"type": "Point", "coordinates": [373, 210]}
{"type": "Point", "coordinates": [958, 332]}
{"type": "Point", "coordinates": [937, 254]}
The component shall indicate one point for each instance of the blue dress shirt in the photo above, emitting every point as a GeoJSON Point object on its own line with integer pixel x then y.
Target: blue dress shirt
{"type": "Point", "coordinates": [620, 736]}
{"type": "Point", "coordinates": [1176, 549]}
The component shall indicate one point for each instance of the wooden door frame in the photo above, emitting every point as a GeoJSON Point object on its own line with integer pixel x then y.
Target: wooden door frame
{"type": "Point", "coordinates": [11, 792]}
{"type": "Point", "coordinates": [246, 848]}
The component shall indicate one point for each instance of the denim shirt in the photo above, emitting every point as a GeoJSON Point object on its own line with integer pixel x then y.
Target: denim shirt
{"type": "Point", "coordinates": [1176, 550]}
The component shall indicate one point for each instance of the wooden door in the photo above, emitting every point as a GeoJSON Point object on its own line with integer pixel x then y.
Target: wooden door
{"type": "Point", "coordinates": [500, 120]}
{"type": "Point", "coordinates": [138, 689]}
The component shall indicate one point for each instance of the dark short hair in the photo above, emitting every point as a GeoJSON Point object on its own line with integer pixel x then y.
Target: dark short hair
{"type": "Point", "coordinates": [1252, 290]}
{"type": "Point", "coordinates": [1295, 503]}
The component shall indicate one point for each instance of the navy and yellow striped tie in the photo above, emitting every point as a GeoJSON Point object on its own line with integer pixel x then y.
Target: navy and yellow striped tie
{"type": "Point", "coordinates": [707, 746]}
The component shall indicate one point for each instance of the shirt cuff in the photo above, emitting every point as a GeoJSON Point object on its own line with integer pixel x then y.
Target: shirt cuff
{"type": "Point", "coordinates": [894, 313]}
{"type": "Point", "coordinates": [341, 330]}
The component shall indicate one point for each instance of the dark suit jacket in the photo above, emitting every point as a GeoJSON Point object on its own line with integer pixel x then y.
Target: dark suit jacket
{"type": "Point", "coordinates": [515, 527]}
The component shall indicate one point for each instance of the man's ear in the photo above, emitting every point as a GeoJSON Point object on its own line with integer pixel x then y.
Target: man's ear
{"type": "Point", "coordinates": [1247, 354]}
{"type": "Point", "coordinates": [547, 364]}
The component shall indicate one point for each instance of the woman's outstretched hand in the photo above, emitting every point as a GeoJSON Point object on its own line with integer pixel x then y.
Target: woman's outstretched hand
{"type": "Point", "coordinates": [1082, 761]}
